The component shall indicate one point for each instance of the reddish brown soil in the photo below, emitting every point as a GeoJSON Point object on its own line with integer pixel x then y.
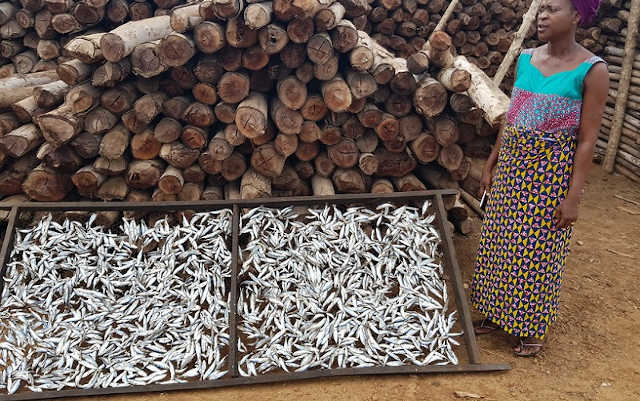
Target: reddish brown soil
{"type": "Point", "coordinates": [594, 349]}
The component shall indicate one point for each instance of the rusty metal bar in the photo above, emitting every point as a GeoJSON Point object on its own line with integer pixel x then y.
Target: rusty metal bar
{"type": "Point", "coordinates": [233, 313]}
{"type": "Point", "coordinates": [458, 285]}
{"type": "Point", "coordinates": [243, 203]}
{"type": "Point", "coordinates": [7, 245]}
{"type": "Point", "coordinates": [268, 378]}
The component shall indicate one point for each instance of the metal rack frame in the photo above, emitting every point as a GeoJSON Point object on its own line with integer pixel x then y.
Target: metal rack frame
{"type": "Point", "coordinates": [232, 378]}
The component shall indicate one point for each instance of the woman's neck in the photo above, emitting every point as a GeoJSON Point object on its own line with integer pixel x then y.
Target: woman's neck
{"type": "Point", "coordinates": [562, 47]}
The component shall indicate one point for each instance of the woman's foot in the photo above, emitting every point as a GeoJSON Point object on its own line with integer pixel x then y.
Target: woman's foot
{"type": "Point", "coordinates": [484, 326]}
{"type": "Point", "coordinates": [528, 347]}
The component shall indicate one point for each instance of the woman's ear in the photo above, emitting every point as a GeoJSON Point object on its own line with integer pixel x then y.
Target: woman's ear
{"type": "Point", "coordinates": [577, 18]}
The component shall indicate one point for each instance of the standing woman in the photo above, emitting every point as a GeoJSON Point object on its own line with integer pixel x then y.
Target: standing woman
{"type": "Point", "coordinates": [541, 160]}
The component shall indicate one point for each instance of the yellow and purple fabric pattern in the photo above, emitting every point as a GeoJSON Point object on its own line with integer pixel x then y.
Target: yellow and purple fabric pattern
{"type": "Point", "coordinates": [522, 253]}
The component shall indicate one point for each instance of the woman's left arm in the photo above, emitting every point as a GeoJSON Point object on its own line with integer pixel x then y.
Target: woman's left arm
{"type": "Point", "coordinates": [596, 88]}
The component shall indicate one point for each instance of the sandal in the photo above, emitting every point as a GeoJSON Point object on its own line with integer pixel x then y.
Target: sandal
{"type": "Point", "coordinates": [484, 326]}
{"type": "Point", "coordinates": [526, 348]}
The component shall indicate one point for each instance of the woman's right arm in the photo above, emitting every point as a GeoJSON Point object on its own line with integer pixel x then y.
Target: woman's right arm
{"type": "Point", "coordinates": [487, 171]}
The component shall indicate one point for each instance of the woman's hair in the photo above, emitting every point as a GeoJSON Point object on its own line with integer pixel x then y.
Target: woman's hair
{"type": "Point", "coordinates": [588, 9]}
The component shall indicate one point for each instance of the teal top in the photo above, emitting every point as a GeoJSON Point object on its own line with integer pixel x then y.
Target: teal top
{"type": "Point", "coordinates": [547, 103]}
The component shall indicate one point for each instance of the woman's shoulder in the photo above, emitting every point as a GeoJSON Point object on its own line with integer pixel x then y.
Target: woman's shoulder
{"type": "Point", "coordinates": [531, 50]}
{"type": "Point", "coordinates": [589, 57]}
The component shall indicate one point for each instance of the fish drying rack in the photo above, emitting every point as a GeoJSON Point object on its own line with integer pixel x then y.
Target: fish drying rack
{"type": "Point", "coordinates": [449, 260]}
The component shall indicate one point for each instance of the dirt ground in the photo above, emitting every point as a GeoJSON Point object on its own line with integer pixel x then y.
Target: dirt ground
{"type": "Point", "coordinates": [594, 349]}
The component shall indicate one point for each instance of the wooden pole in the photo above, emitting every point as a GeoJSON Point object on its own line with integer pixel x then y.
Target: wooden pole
{"type": "Point", "coordinates": [623, 87]}
{"type": "Point", "coordinates": [445, 17]}
{"type": "Point", "coordinates": [514, 49]}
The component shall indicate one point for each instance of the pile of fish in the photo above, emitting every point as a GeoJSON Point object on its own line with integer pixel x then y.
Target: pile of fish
{"type": "Point", "coordinates": [342, 288]}
{"type": "Point", "coordinates": [84, 308]}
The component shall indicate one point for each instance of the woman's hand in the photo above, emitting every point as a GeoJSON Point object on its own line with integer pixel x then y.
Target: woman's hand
{"type": "Point", "coordinates": [485, 180]}
{"type": "Point", "coordinates": [567, 212]}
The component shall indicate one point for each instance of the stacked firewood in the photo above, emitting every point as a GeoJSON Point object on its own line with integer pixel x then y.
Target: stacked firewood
{"type": "Point", "coordinates": [34, 32]}
{"type": "Point", "coordinates": [627, 158]}
{"type": "Point", "coordinates": [218, 100]}
{"type": "Point", "coordinates": [481, 30]}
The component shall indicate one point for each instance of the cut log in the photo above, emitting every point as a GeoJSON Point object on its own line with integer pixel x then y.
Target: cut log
{"type": "Point", "coordinates": [254, 185]}
{"type": "Point", "coordinates": [408, 183]}
{"type": "Point", "coordinates": [171, 181]}
{"type": "Point", "coordinates": [186, 17]}
{"type": "Point", "coordinates": [314, 108]}
{"type": "Point", "coordinates": [288, 121]}
{"type": "Point", "coordinates": [233, 167]}
{"type": "Point", "coordinates": [267, 160]}
{"type": "Point", "coordinates": [109, 74]}
{"type": "Point", "coordinates": [322, 186]}
{"type": "Point", "coordinates": [451, 157]}
{"type": "Point", "coordinates": [336, 94]}
{"type": "Point", "coordinates": [74, 71]}
{"type": "Point", "coordinates": [87, 181]}
{"type": "Point", "coordinates": [27, 109]}
{"type": "Point", "coordinates": [175, 49]}
{"type": "Point", "coordinates": [344, 154]}
{"type": "Point", "coordinates": [382, 186]}
{"type": "Point", "coordinates": [368, 142]}
{"type": "Point", "coordinates": [362, 84]}
{"type": "Point", "coordinates": [454, 79]}
{"type": "Point", "coordinates": [213, 192]}
{"type": "Point", "coordinates": [307, 151]}
{"type": "Point", "coordinates": [388, 128]}
{"type": "Point", "coordinates": [21, 140]}
{"type": "Point", "coordinates": [115, 142]}
{"type": "Point", "coordinates": [292, 93]}
{"type": "Point", "coordinates": [194, 173]}
{"type": "Point", "coordinates": [392, 164]}
{"type": "Point", "coordinates": [272, 38]}
{"type": "Point", "coordinates": [178, 155]}
{"type": "Point", "coordinates": [119, 99]}
{"type": "Point", "coordinates": [86, 48]}
{"type": "Point", "coordinates": [349, 181]}
{"type": "Point", "coordinates": [47, 185]}
{"type": "Point", "coordinates": [209, 37]}
{"type": "Point", "coordinates": [121, 41]}
{"type": "Point", "coordinates": [114, 188]}
{"type": "Point", "coordinates": [368, 163]}
{"type": "Point", "coordinates": [320, 48]}
{"type": "Point", "coordinates": [430, 97]}
{"type": "Point", "coordinates": [99, 121]}
{"type": "Point", "coordinates": [24, 62]}
{"type": "Point", "coordinates": [194, 137]}
{"type": "Point", "coordinates": [233, 87]}
{"type": "Point", "coordinates": [425, 148]}
{"type": "Point", "coordinates": [251, 116]}
{"type": "Point", "coordinates": [86, 145]}
{"type": "Point", "coordinates": [199, 114]}
{"type": "Point", "coordinates": [15, 88]}
{"type": "Point", "coordinates": [145, 146]}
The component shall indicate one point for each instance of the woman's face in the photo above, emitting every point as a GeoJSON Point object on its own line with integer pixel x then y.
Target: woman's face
{"type": "Point", "coordinates": [556, 18]}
